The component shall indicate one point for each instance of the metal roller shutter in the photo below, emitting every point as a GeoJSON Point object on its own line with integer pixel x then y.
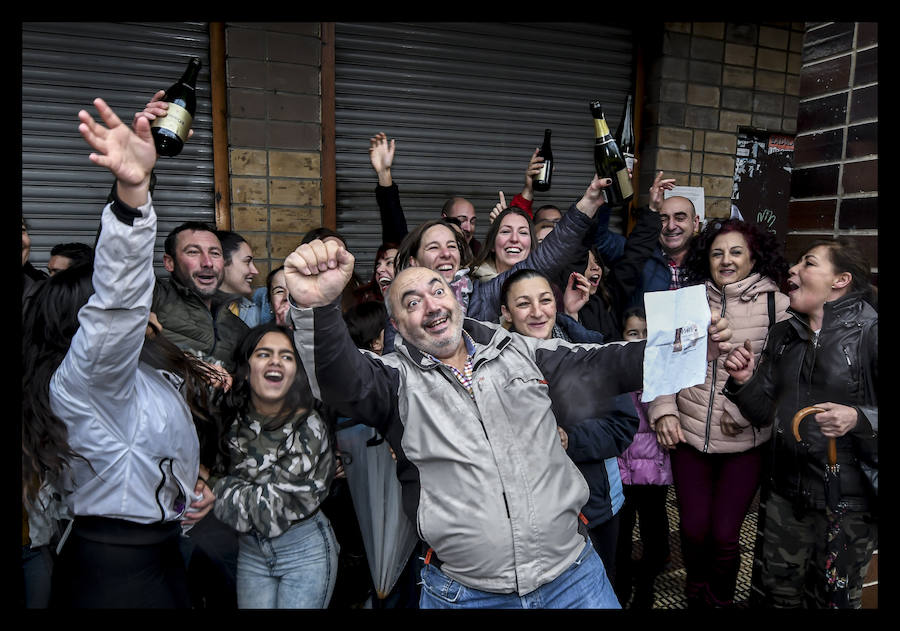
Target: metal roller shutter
{"type": "Point", "coordinates": [65, 65]}
{"type": "Point", "coordinates": [468, 103]}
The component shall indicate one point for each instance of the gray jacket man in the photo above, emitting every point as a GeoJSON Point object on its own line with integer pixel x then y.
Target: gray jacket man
{"type": "Point", "coordinates": [471, 413]}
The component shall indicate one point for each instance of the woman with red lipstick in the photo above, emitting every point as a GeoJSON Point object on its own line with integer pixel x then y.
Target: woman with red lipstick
{"type": "Point", "coordinates": [826, 356]}
{"type": "Point", "coordinates": [278, 472]}
{"type": "Point", "coordinates": [716, 455]}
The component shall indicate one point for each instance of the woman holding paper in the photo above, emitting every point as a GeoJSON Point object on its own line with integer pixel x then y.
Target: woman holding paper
{"type": "Point", "coordinates": [716, 456]}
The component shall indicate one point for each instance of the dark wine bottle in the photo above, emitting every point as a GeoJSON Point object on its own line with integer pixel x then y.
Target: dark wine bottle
{"type": "Point", "coordinates": [171, 131]}
{"type": "Point", "coordinates": [541, 181]}
{"type": "Point", "coordinates": [608, 160]}
{"type": "Point", "coordinates": [625, 134]}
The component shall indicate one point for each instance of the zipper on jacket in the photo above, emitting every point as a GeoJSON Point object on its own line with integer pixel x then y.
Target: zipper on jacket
{"type": "Point", "coordinates": [847, 356]}
{"type": "Point", "coordinates": [712, 386]}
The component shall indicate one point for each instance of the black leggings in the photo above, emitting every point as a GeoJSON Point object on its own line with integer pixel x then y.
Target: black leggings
{"type": "Point", "coordinates": [109, 563]}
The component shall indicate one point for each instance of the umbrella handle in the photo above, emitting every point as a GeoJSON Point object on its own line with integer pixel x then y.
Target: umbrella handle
{"type": "Point", "coordinates": [795, 424]}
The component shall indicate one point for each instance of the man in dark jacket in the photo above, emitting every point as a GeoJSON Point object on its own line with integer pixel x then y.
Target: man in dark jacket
{"type": "Point", "coordinates": [194, 315]}
{"type": "Point", "coordinates": [664, 268]}
{"type": "Point", "coordinates": [189, 305]}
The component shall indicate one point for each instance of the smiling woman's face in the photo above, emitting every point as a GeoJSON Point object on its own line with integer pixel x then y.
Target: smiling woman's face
{"type": "Point", "coordinates": [273, 368]}
{"type": "Point", "coordinates": [730, 259]}
{"type": "Point", "coordinates": [513, 242]}
{"type": "Point", "coordinates": [531, 307]}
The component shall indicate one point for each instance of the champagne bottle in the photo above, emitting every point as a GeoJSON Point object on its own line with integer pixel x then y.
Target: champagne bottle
{"type": "Point", "coordinates": [541, 181]}
{"type": "Point", "coordinates": [171, 131]}
{"type": "Point", "coordinates": [625, 134]}
{"type": "Point", "coordinates": [608, 160]}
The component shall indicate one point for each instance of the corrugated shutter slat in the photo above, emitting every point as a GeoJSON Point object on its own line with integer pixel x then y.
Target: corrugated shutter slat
{"type": "Point", "coordinates": [65, 65]}
{"type": "Point", "coordinates": [467, 104]}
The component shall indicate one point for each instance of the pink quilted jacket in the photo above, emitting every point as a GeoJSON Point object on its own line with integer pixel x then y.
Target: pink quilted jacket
{"type": "Point", "coordinates": [746, 308]}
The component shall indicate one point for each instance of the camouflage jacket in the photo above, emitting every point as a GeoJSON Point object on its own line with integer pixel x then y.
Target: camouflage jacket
{"type": "Point", "coordinates": [276, 477]}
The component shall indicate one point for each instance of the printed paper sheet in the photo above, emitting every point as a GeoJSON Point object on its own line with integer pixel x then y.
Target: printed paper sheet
{"type": "Point", "coordinates": [677, 324]}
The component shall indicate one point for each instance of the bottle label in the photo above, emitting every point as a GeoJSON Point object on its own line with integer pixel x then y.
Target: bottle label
{"type": "Point", "coordinates": [624, 183]}
{"type": "Point", "coordinates": [601, 128]}
{"type": "Point", "coordinates": [542, 176]}
{"type": "Point", "coordinates": [629, 161]}
{"type": "Point", "coordinates": [177, 120]}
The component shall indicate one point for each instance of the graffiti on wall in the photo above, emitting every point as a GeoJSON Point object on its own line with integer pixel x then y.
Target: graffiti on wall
{"type": "Point", "coordinates": [762, 179]}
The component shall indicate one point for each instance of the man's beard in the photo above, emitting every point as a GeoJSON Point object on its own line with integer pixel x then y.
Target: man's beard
{"type": "Point", "coordinates": [203, 292]}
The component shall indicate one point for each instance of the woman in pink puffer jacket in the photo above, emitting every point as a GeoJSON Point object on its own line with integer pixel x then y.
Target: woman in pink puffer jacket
{"type": "Point", "coordinates": [716, 455]}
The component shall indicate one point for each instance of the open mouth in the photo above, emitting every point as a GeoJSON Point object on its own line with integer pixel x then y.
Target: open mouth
{"type": "Point", "coordinates": [594, 279]}
{"type": "Point", "coordinates": [274, 376]}
{"type": "Point", "coordinates": [437, 323]}
{"type": "Point", "coordinates": [384, 282]}
{"type": "Point", "coordinates": [513, 251]}
{"type": "Point", "coordinates": [792, 286]}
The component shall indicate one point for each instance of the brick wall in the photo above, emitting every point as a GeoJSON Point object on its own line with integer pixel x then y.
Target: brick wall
{"type": "Point", "coordinates": [704, 81]}
{"type": "Point", "coordinates": [834, 187]}
{"type": "Point", "coordinates": [274, 135]}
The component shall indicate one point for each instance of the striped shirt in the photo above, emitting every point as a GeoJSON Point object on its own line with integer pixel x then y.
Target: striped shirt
{"type": "Point", "coordinates": [464, 377]}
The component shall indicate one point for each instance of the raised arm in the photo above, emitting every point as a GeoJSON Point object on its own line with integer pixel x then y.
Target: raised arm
{"type": "Point", "coordinates": [387, 195]}
{"type": "Point", "coordinates": [356, 384]}
{"type": "Point", "coordinates": [611, 245]}
{"type": "Point", "coordinates": [625, 274]}
{"type": "Point", "coordinates": [564, 244]}
{"type": "Point", "coordinates": [103, 356]}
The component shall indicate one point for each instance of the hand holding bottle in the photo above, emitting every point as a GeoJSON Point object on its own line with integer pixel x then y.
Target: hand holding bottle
{"type": "Point", "coordinates": [157, 107]}
{"type": "Point", "coordinates": [593, 197]}
{"type": "Point", "coordinates": [534, 168]}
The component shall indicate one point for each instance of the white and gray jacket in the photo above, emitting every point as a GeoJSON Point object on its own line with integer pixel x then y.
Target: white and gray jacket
{"type": "Point", "coordinates": [128, 420]}
{"type": "Point", "coordinates": [486, 481]}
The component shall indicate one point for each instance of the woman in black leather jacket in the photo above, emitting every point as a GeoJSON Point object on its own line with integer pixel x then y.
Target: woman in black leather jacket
{"type": "Point", "coordinates": [825, 356]}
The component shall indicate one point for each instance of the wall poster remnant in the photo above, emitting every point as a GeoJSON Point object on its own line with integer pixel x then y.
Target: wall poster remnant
{"type": "Point", "coordinates": [762, 179]}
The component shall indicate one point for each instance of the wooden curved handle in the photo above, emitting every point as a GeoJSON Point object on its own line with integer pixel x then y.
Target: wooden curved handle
{"type": "Point", "coordinates": [795, 425]}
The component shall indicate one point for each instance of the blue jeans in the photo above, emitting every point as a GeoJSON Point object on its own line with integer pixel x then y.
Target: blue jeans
{"type": "Point", "coordinates": [295, 570]}
{"type": "Point", "coordinates": [583, 585]}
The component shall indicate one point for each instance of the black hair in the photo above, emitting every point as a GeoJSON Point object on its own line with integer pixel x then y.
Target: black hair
{"type": "Point", "coordinates": [545, 207]}
{"type": "Point", "coordinates": [269, 279]}
{"type": "Point", "coordinates": [196, 226]}
{"type": "Point", "coordinates": [631, 312]}
{"type": "Point", "coordinates": [365, 322]}
{"type": "Point", "coordinates": [298, 397]}
{"type": "Point", "coordinates": [515, 277]}
{"type": "Point", "coordinates": [322, 233]}
{"type": "Point", "coordinates": [47, 330]}
{"type": "Point", "coordinates": [230, 241]}
{"type": "Point", "coordinates": [78, 253]}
